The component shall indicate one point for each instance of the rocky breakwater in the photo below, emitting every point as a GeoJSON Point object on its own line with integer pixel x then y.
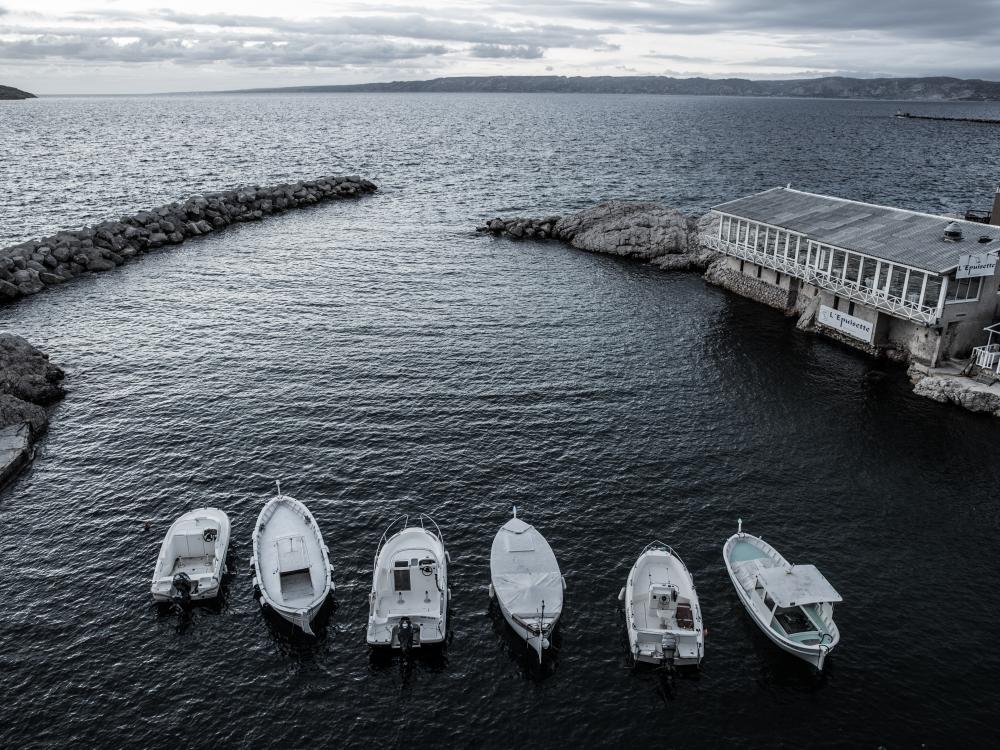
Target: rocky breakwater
{"type": "Point", "coordinates": [30, 267]}
{"type": "Point", "coordinates": [647, 231]}
{"type": "Point", "coordinates": [28, 384]}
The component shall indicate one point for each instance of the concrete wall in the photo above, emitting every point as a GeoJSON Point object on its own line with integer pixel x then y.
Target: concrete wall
{"type": "Point", "coordinates": [726, 273]}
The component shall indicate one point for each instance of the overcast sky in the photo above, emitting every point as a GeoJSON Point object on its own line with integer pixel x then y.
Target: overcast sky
{"type": "Point", "coordinates": [136, 46]}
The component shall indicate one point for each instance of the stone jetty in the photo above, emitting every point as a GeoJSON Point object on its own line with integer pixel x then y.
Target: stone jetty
{"type": "Point", "coordinates": [30, 267]}
{"type": "Point", "coordinates": [647, 231]}
{"type": "Point", "coordinates": [28, 384]}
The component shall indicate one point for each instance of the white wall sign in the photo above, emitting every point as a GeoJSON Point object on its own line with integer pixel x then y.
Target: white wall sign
{"type": "Point", "coordinates": [976, 265]}
{"type": "Point", "coordinates": [856, 327]}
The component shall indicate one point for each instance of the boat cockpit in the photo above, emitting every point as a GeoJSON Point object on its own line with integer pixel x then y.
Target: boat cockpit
{"type": "Point", "coordinates": [415, 589]}
{"type": "Point", "coordinates": [671, 609]}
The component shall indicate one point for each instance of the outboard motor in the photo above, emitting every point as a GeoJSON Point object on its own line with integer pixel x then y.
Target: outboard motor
{"type": "Point", "coordinates": [405, 634]}
{"type": "Point", "coordinates": [182, 590]}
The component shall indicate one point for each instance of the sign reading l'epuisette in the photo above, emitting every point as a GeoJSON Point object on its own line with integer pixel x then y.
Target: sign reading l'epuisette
{"type": "Point", "coordinates": [854, 327]}
{"type": "Point", "coordinates": [971, 265]}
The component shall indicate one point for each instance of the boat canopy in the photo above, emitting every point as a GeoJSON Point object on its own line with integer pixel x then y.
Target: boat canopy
{"type": "Point", "coordinates": [797, 585]}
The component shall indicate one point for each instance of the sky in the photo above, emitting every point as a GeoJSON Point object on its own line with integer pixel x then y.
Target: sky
{"type": "Point", "coordinates": [142, 46]}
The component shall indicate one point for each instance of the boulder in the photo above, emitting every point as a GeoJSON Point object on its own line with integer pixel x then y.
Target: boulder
{"type": "Point", "coordinates": [26, 373]}
{"type": "Point", "coordinates": [8, 291]}
{"type": "Point", "coordinates": [639, 230]}
{"type": "Point", "coordinates": [99, 264]}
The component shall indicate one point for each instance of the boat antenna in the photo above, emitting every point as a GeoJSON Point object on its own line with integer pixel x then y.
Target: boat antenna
{"type": "Point", "coordinates": [515, 511]}
{"type": "Point", "coordinates": [278, 482]}
{"type": "Point", "coordinates": [739, 528]}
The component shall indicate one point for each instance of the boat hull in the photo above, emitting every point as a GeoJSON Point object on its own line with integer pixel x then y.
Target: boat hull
{"type": "Point", "coordinates": [655, 640]}
{"type": "Point", "coordinates": [534, 641]}
{"type": "Point", "coordinates": [407, 594]}
{"type": "Point", "coordinates": [292, 570]}
{"type": "Point", "coordinates": [811, 654]}
{"type": "Point", "coordinates": [527, 583]}
{"type": "Point", "coordinates": [206, 578]}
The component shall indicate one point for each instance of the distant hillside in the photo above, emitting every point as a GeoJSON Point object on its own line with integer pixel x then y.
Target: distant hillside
{"type": "Point", "coordinates": [7, 92]}
{"type": "Point", "coordinates": [942, 89]}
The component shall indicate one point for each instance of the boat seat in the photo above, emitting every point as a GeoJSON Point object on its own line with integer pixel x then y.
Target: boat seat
{"type": "Point", "coordinates": [685, 617]}
{"type": "Point", "coordinates": [292, 553]}
{"type": "Point", "coordinates": [193, 544]}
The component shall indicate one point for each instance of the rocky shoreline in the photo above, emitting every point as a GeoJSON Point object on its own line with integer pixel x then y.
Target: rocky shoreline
{"type": "Point", "coordinates": [647, 231]}
{"type": "Point", "coordinates": [28, 384]}
{"type": "Point", "coordinates": [30, 267]}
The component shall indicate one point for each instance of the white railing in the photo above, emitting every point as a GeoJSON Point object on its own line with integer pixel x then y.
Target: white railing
{"type": "Point", "coordinates": [987, 357]}
{"type": "Point", "coordinates": [878, 299]}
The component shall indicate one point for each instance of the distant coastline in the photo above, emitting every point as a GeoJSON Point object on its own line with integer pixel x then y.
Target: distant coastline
{"type": "Point", "coordinates": [909, 89]}
{"type": "Point", "coordinates": [9, 92]}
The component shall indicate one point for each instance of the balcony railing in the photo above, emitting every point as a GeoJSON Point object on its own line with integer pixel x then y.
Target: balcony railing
{"type": "Point", "coordinates": [987, 357]}
{"type": "Point", "coordinates": [874, 298]}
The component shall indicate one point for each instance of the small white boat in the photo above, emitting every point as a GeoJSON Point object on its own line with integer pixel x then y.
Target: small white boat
{"type": "Point", "coordinates": [526, 582]}
{"type": "Point", "coordinates": [792, 604]}
{"type": "Point", "coordinates": [292, 569]}
{"type": "Point", "coordinates": [192, 558]}
{"type": "Point", "coordinates": [408, 604]}
{"type": "Point", "coordinates": [662, 613]}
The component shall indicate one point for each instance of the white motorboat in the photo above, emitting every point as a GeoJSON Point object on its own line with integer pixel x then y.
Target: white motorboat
{"type": "Point", "coordinates": [662, 613]}
{"type": "Point", "coordinates": [192, 558]}
{"type": "Point", "coordinates": [792, 604]}
{"type": "Point", "coordinates": [408, 604]}
{"type": "Point", "coordinates": [526, 582]}
{"type": "Point", "coordinates": [292, 569]}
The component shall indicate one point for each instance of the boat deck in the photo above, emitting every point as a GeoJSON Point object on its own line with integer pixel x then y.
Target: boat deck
{"type": "Point", "coordinates": [193, 566]}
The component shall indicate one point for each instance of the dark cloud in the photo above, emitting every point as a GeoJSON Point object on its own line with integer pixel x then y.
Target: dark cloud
{"type": "Point", "coordinates": [115, 35]}
{"type": "Point", "coordinates": [677, 58]}
{"type": "Point", "coordinates": [520, 51]}
{"type": "Point", "coordinates": [312, 51]}
{"type": "Point", "coordinates": [925, 19]}
{"type": "Point", "coordinates": [406, 25]}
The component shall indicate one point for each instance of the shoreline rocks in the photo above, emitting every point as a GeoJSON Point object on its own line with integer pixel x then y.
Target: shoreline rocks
{"type": "Point", "coordinates": [30, 267]}
{"type": "Point", "coordinates": [647, 231]}
{"type": "Point", "coordinates": [956, 389]}
{"type": "Point", "coordinates": [28, 384]}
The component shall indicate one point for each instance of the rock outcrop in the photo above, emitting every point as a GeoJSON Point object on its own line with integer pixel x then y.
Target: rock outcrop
{"type": "Point", "coordinates": [30, 267]}
{"type": "Point", "coordinates": [647, 231]}
{"type": "Point", "coordinates": [28, 384]}
{"type": "Point", "coordinates": [962, 391]}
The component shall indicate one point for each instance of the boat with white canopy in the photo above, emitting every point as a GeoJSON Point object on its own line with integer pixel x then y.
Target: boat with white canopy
{"type": "Point", "coordinates": [662, 613]}
{"type": "Point", "coordinates": [526, 582]}
{"type": "Point", "coordinates": [791, 604]}
{"type": "Point", "coordinates": [192, 557]}
{"type": "Point", "coordinates": [408, 603]}
{"type": "Point", "coordinates": [291, 562]}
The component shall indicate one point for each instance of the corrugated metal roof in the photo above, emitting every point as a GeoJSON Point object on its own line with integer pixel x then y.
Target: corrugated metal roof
{"type": "Point", "coordinates": [894, 234]}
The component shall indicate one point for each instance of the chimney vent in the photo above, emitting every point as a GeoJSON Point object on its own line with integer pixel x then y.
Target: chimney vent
{"type": "Point", "coordinates": [953, 232]}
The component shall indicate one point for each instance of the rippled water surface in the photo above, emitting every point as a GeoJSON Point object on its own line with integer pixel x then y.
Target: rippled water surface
{"type": "Point", "coordinates": [379, 357]}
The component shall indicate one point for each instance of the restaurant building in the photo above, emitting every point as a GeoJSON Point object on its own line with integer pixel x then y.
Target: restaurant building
{"type": "Point", "coordinates": [885, 280]}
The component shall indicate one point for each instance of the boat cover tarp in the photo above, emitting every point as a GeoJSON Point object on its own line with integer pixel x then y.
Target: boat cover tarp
{"type": "Point", "coordinates": [523, 593]}
{"type": "Point", "coordinates": [524, 571]}
{"type": "Point", "coordinates": [797, 585]}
